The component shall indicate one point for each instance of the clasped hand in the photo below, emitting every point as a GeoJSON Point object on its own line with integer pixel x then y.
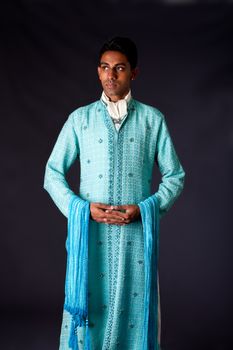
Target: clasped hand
{"type": "Point", "coordinates": [113, 214]}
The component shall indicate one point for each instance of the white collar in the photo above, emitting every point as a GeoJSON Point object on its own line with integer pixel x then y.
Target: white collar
{"type": "Point", "coordinates": [118, 109]}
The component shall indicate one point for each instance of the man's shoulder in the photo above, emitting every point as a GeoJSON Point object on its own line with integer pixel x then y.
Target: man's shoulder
{"type": "Point", "coordinates": [80, 114]}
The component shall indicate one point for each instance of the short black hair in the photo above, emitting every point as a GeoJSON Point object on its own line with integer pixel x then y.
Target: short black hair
{"type": "Point", "coordinates": [123, 45]}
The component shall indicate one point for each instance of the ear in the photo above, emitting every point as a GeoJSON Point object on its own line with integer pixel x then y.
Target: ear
{"type": "Point", "coordinates": [98, 71]}
{"type": "Point", "coordinates": [134, 73]}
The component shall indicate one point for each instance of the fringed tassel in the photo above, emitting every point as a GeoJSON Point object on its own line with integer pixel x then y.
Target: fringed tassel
{"type": "Point", "coordinates": [73, 341]}
{"type": "Point", "coordinates": [87, 337]}
{"type": "Point", "coordinates": [78, 320]}
{"type": "Point", "coordinates": [79, 316]}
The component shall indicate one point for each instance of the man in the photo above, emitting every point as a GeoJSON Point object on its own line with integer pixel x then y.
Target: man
{"type": "Point", "coordinates": [117, 140]}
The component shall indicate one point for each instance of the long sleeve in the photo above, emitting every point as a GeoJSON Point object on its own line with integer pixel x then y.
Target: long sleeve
{"type": "Point", "coordinates": [64, 153]}
{"type": "Point", "coordinates": [172, 172]}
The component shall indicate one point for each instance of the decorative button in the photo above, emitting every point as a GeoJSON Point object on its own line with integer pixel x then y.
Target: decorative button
{"type": "Point", "coordinates": [66, 326]}
{"type": "Point", "coordinates": [88, 161]}
{"type": "Point", "coordinates": [80, 341]}
{"type": "Point", "coordinates": [140, 262]}
{"type": "Point", "coordinates": [98, 110]}
{"type": "Point", "coordinates": [129, 243]}
{"type": "Point", "coordinates": [131, 139]}
{"type": "Point", "coordinates": [102, 275]}
{"type": "Point", "coordinates": [99, 242]}
{"type": "Point", "coordinates": [100, 176]}
{"type": "Point", "coordinates": [100, 140]}
{"type": "Point", "coordinates": [135, 294]}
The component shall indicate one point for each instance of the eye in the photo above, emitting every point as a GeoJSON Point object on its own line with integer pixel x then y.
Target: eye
{"type": "Point", "coordinates": [104, 68]}
{"type": "Point", "coordinates": [120, 68]}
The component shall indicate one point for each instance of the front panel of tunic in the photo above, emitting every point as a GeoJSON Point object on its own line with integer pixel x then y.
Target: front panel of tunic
{"type": "Point", "coordinates": [116, 168]}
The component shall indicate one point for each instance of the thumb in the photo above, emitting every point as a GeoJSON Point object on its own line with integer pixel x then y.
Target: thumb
{"type": "Point", "coordinates": [123, 206]}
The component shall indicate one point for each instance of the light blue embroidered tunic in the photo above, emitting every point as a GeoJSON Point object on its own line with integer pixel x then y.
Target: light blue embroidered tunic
{"type": "Point", "coordinates": [115, 168]}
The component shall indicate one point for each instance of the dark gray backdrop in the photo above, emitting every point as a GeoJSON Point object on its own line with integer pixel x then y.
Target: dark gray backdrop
{"type": "Point", "coordinates": [48, 68]}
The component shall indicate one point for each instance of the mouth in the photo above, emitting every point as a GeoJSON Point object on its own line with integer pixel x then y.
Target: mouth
{"type": "Point", "coordinates": [111, 85]}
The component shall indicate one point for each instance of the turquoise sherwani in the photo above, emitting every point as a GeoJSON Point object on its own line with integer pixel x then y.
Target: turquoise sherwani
{"type": "Point", "coordinates": [115, 168]}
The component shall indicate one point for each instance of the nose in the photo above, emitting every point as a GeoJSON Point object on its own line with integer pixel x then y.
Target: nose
{"type": "Point", "coordinates": [112, 73]}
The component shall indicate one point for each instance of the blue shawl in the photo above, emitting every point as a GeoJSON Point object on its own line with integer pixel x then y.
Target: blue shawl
{"type": "Point", "coordinates": [76, 285]}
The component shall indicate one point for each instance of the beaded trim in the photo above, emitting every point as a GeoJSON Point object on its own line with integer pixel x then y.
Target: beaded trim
{"type": "Point", "coordinates": [114, 186]}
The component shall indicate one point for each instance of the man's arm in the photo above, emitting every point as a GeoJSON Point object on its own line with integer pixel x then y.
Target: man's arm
{"type": "Point", "coordinates": [64, 153]}
{"type": "Point", "coordinates": [170, 168]}
{"type": "Point", "coordinates": [171, 171]}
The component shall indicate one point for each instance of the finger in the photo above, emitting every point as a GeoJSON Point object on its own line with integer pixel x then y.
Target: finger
{"type": "Point", "coordinates": [116, 214]}
{"type": "Point", "coordinates": [115, 218]}
{"type": "Point", "coordinates": [106, 221]}
{"type": "Point", "coordinates": [100, 213]}
{"type": "Point", "coordinates": [122, 207]}
{"type": "Point", "coordinates": [104, 206]}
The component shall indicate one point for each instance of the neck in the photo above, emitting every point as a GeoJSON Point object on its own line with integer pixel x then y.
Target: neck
{"type": "Point", "coordinates": [115, 98]}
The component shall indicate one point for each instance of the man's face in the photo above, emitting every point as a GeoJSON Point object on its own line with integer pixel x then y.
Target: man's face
{"type": "Point", "coordinates": [115, 74]}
